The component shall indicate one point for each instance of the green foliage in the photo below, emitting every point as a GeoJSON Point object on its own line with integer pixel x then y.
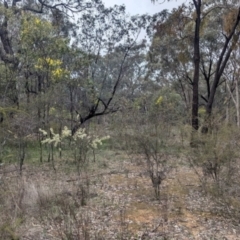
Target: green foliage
{"type": "Point", "coordinates": [35, 30]}
{"type": "Point", "coordinates": [42, 47]}
{"type": "Point", "coordinates": [168, 105]}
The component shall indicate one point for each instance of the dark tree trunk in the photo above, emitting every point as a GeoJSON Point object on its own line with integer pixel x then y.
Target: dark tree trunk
{"type": "Point", "coordinates": [221, 64]}
{"type": "Point", "coordinates": [222, 61]}
{"type": "Point", "coordinates": [196, 59]}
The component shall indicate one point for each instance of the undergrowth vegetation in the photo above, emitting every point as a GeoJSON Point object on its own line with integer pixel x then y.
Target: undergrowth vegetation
{"type": "Point", "coordinates": [64, 200]}
{"type": "Point", "coordinates": [104, 135]}
{"type": "Point", "coordinates": [70, 186]}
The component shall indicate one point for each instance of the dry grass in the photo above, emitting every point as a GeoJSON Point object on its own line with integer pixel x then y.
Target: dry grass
{"type": "Point", "coordinates": [120, 204]}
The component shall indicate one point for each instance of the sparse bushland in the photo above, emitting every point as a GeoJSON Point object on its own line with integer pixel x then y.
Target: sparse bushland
{"type": "Point", "coordinates": [116, 188]}
{"type": "Point", "coordinates": [146, 170]}
{"type": "Point", "coordinates": [92, 75]}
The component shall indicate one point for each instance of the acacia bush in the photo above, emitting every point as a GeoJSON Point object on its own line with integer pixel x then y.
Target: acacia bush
{"type": "Point", "coordinates": [81, 143]}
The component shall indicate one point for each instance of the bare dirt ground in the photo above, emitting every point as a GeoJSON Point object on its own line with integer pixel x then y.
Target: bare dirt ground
{"type": "Point", "coordinates": [114, 200]}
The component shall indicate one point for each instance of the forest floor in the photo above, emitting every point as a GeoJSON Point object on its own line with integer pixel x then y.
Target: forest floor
{"type": "Point", "coordinates": [114, 199]}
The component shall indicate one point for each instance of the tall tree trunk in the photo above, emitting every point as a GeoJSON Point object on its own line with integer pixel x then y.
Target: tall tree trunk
{"type": "Point", "coordinates": [195, 123]}
{"type": "Point", "coordinates": [230, 42]}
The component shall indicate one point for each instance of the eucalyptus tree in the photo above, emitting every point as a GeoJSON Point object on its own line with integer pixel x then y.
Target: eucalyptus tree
{"type": "Point", "coordinates": [113, 36]}
{"type": "Point", "coordinates": [169, 57]}
{"type": "Point", "coordinates": [202, 36]}
{"type": "Point", "coordinates": [67, 40]}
